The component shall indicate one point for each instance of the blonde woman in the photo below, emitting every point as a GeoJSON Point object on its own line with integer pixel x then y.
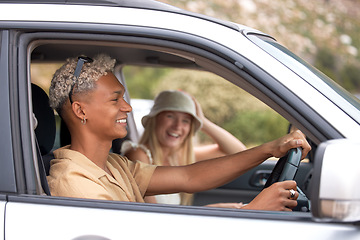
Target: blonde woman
{"type": "Point", "coordinates": [168, 137]}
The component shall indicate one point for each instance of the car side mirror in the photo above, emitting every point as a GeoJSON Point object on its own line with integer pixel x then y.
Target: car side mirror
{"type": "Point", "coordinates": [335, 194]}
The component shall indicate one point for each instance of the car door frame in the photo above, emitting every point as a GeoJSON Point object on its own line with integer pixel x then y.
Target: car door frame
{"type": "Point", "coordinates": [234, 65]}
{"type": "Point", "coordinates": [8, 181]}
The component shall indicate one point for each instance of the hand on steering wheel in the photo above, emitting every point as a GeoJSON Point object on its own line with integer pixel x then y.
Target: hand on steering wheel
{"type": "Point", "coordinates": [286, 169]}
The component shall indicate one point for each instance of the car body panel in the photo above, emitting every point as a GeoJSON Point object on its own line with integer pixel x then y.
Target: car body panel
{"type": "Point", "coordinates": [94, 223]}
{"type": "Point", "coordinates": [7, 181]}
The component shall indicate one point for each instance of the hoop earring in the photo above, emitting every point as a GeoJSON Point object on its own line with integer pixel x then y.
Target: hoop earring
{"type": "Point", "coordinates": [83, 121]}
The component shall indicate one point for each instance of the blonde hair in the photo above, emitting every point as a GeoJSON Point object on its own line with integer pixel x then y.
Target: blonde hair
{"type": "Point", "coordinates": [183, 156]}
{"type": "Point", "coordinates": [64, 77]}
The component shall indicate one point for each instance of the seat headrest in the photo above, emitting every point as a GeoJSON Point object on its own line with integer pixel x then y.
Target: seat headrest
{"type": "Point", "coordinates": [46, 127]}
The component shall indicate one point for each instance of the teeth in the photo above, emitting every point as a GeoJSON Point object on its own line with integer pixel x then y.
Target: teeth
{"type": "Point", "coordinates": [121, 121]}
{"type": "Point", "coordinates": [174, 135]}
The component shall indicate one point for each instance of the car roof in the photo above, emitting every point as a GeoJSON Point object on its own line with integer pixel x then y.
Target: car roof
{"type": "Point", "coordinates": [141, 4]}
{"type": "Point", "coordinates": [149, 4]}
{"type": "Point", "coordinates": [58, 51]}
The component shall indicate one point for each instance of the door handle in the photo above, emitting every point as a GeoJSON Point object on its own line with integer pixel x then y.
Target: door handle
{"type": "Point", "coordinates": [259, 178]}
{"type": "Point", "coordinates": [90, 237]}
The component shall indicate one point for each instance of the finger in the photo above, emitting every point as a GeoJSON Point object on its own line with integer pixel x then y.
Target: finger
{"type": "Point", "coordinates": [297, 194]}
{"type": "Point", "coordinates": [289, 194]}
{"type": "Point", "coordinates": [290, 144]}
{"type": "Point", "coordinates": [287, 209]}
{"type": "Point", "coordinates": [291, 204]}
{"type": "Point", "coordinates": [288, 184]}
{"type": "Point", "coordinates": [305, 151]}
{"type": "Point", "coordinates": [293, 194]}
{"type": "Point", "coordinates": [301, 141]}
{"type": "Point", "coordinates": [295, 143]}
{"type": "Point", "coordinates": [288, 189]}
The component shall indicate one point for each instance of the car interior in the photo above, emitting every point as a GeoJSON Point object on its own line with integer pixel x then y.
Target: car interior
{"type": "Point", "coordinates": [51, 133]}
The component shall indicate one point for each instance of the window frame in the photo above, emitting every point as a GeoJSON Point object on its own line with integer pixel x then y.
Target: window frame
{"type": "Point", "coordinates": [210, 54]}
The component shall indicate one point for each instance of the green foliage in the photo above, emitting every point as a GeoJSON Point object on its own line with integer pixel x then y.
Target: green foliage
{"type": "Point", "coordinates": [346, 74]}
{"type": "Point", "coordinates": [141, 81]}
{"type": "Point", "coordinates": [304, 27]}
{"type": "Point", "coordinates": [350, 78]}
{"type": "Point", "coordinates": [325, 59]}
{"type": "Point", "coordinates": [223, 103]}
{"type": "Point", "coordinates": [325, 62]}
{"type": "Point", "coordinates": [257, 127]}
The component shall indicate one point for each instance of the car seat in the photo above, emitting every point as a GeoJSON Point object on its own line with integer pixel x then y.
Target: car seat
{"type": "Point", "coordinates": [45, 132]}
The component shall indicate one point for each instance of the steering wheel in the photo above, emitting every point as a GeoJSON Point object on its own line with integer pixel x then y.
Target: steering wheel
{"type": "Point", "coordinates": [286, 169]}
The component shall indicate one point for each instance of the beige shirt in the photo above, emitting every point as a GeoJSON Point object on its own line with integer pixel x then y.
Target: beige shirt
{"type": "Point", "coordinates": [74, 175]}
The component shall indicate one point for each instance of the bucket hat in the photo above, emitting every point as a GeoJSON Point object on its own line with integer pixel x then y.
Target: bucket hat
{"type": "Point", "coordinates": [172, 100]}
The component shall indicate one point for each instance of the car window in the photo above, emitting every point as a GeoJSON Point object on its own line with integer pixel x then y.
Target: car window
{"type": "Point", "coordinates": [227, 99]}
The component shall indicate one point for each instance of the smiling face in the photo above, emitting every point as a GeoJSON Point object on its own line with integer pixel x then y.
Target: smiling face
{"type": "Point", "coordinates": [172, 128]}
{"type": "Point", "coordinates": [107, 110]}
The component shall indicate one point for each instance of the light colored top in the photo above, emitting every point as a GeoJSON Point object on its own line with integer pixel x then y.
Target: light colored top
{"type": "Point", "coordinates": [173, 198]}
{"type": "Point", "coordinates": [74, 175]}
{"type": "Point", "coordinates": [128, 145]}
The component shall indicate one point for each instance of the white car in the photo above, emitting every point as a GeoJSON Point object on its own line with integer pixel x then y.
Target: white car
{"type": "Point", "coordinates": [153, 34]}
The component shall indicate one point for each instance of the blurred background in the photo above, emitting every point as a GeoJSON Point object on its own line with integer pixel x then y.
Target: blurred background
{"type": "Point", "coordinates": [325, 33]}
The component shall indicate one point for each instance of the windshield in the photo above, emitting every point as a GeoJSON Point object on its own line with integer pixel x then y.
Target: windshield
{"type": "Point", "coordinates": [317, 79]}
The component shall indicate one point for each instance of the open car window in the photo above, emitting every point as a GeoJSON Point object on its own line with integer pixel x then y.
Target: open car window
{"type": "Point", "coordinates": [227, 99]}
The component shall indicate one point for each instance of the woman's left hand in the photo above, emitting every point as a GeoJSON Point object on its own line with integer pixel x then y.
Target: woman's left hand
{"type": "Point", "coordinates": [199, 111]}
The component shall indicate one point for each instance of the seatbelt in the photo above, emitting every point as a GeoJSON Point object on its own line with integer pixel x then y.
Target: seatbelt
{"type": "Point", "coordinates": [42, 172]}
